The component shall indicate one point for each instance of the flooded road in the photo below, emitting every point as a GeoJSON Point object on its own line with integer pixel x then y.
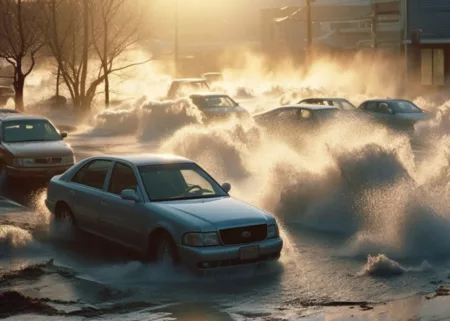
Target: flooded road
{"type": "Point", "coordinates": [363, 213]}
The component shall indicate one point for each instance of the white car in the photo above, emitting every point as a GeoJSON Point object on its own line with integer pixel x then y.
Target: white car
{"type": "Point", "coordinates": [165, 206]}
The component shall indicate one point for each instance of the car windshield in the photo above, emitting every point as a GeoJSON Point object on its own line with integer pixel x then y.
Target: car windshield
{"type": "Point", "coordinates": [403, 106]}
{"type": "Point", "coordinates": [34, 130]}
{"type": "Point", "coordinates": [344, 105]}
{"type": "Point", "coordinates": [219, 101]}
{"type": "Point", "coordinates": [172, 182]}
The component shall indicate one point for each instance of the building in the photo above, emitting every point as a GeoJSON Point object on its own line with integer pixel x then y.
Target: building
{"type": "Point", "coordinates": [335, 26]}
{"type": "Point", "coordinates": [429, 61]}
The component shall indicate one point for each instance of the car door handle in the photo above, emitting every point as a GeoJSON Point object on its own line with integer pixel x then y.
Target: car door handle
{"type": "Point", "coordinates": [72, 192]}
{"type": "Point", "coordinates": [103, 203]}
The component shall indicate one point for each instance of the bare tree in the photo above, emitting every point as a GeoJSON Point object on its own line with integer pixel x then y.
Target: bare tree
{"type": "Point", "coordinates": [20, 40]}
{"type": "Point", "coordinates": [117, 26]}
{"type": "Point", "coordinates": [86, 38]}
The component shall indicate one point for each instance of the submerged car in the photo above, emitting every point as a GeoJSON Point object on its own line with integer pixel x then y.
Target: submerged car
{"type": "Point", "coordinates": [181, 88]}
{"type": "Point", "coordinates": [396, 113]}
{"type": "Point", "coordinates": [165, 206]}
{"type": "Point", "coordinates": [302, 117]}
{"type": "Point", "coordinates": [30, 146]}
{"type": "Point", "coordinates": [6, 93]}
{"type": "Point", "coordinates": [218, 106]}
{"type": "Point", "coordinates": [340, 103]}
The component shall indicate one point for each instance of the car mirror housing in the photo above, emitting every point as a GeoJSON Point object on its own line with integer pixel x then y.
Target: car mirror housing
{"type": "Point", "coordinates": [63, 134]}
{"type": "Point", "coordinates": [129, 195]}
{"type": "Point", "coordinates": [226, 187]}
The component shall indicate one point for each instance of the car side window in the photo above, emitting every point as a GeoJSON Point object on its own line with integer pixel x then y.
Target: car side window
{"type": "Point", "coordinates": [287, 114]}
{"type": "Point", "coordinates": [122, 178]}
{"type": "Point", "coordinates": [93, 174]}
{"type": "Point", "coordinates": [371, 106]}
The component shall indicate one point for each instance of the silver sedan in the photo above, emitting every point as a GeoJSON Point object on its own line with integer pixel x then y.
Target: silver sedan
{"type": "Point", "coordinates": [165, 206]}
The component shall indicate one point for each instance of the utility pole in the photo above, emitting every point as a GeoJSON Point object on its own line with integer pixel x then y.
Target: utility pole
{"type": "Point", "coordinates": [309, 31]}
{"type": "Point", "coordinates": [374, 26]}
{"type": "Point", "coordinates": [176, 50]}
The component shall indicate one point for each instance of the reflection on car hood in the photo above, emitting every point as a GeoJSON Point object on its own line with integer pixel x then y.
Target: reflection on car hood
{"type": "Point", "coordinates": [39, 149]}
{"type": "Point", "coordinates": [223, 212]}
{"type": "Point", "coordinates": [224, 110]}
{"type": "Point", "coordinates": [412, 116]}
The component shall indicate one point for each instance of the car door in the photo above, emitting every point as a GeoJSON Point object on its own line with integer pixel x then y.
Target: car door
{"type": "Point", "coordinates": [123, 220]}
{"type": "Point", "coordinates": [85, 191]}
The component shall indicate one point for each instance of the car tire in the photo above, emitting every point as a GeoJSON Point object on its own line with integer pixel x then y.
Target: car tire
{"type": "Point", "coordinates": [3, 173]}
{"type": "Point", "coordinates": [166, 251]}
{"type": "Point", "coordinates": [64, 214]}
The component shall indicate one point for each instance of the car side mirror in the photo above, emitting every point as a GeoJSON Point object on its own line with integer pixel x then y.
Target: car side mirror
{"type": "Point", "coordinates": [226, 187]}
{"type": "Point", "coordinates": [63, 134]}
{"type": "Point", "coordinates": [129, 195]}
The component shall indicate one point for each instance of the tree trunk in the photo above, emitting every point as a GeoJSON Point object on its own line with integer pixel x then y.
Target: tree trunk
{"type": "Point", "coordinates": [19, 83]}
{"type": "Point", "coordinates": [107, 102]}
{"type": "Point", "coordinates": [58, 77]}
{"type": "Point", "coordinates": [85, 54]}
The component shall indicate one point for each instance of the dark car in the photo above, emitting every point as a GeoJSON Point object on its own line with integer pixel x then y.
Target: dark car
{"type": "Point", "coordinates": [396, 113]}
{"type": "Point", "coordinates": [218, 106]}
{"type": "Point", "coordinates": [340, 103]}
{"type": "Point", "coordinates": [181, 88]}
{"type": "Point", "coordinates": [296, 118]}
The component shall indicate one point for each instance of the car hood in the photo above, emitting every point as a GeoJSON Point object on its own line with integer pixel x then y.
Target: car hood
{"type": "Point", "coordinates": [224, 110]}
{"type": "Point", "coordinates": [39, 149]}
{"type": "Point", "coordinates": [221, 213]}
{"type": "Point", "coordinates": [412, 116]}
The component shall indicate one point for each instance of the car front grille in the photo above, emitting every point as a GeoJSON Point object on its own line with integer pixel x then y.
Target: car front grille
{"type": "Point", "coordinates": [48, 160]}
{"type": "Point", "coordinates": [243, 235]}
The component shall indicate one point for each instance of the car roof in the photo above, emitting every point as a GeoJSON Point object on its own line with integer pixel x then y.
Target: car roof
{"type": "Point", "coordinates": [147, 159]}
{"type": "Point", "coordinates": [387, 100]}
{"type": "Point", "coordinates": [189, 80]}
{"type": "Point", "coordinates": [300, 106]}
{"type": "Point", "coordinates": [208, 94]}
{"type": "Point", "coordinates": [18, 116]}
{"type": "Point", "coordinates": [325, 98]}
{"type": "Point", "coordinates": [309, 106]}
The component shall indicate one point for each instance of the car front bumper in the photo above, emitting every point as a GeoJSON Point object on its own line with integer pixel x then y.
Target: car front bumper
{"type": "Point", "coordinates": [36, 172]}
{"type": "Point", "coordinates": [211, 258]}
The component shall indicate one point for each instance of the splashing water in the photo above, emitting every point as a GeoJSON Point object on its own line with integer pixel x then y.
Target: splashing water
{"type": "Point", "coordinates": [12, 236]}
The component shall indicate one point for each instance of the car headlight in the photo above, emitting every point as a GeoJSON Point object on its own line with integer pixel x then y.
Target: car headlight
{"type": "Point", "coordinates": [68, 160]}
{"type": "Point", "coordinates": [272, 231]}
{"type": "Point", "coordinates": [201, 239]}
{"type": "Point", "coordinates": [23, 161]}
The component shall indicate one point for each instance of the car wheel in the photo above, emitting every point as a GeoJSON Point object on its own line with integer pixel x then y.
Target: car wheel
{"type": "Point", "coordinates": [166, 251]}
{"type": "Point", "coordinates": [64, 214]}
{"type": "Point", "coordinates": [3, 173]}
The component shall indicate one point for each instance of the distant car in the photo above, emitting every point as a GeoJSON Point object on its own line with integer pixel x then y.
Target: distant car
{"type": "Point", "coordinates": [340, 103]}
{"type": "Point", "coordinates": [53, 102]}
{"type": "Point", "coordinates": [296, 117]}
{"type": "Point", "coordinates": [30, 146]}
{"type": "Point", "coordinates": [181, 88]}
{"type": "Point", "coordinates": [165, 206]}
{"type": "Point", "coordinates": [397, 113]}
{"type": "Point", "coordinates": [213, 78]}
{"type": "Point", "coordinates": [8, 111]}
{"type": "Point", "coordinates": [218, 106]}
{"type": "Point", "coordinates": [6, 93]}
